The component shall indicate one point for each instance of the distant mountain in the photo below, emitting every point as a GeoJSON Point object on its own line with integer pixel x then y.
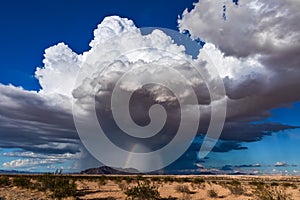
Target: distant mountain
{"type": "Point", "coordinates": [16, 172]}
{"type": "Point", "coordinates": [109, 170]}
{"type": "Point", "coordinates": [238, 173]}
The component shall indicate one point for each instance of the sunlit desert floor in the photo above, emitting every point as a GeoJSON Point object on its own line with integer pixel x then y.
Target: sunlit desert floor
{"type": "Point", "coordinates": [168, 187]}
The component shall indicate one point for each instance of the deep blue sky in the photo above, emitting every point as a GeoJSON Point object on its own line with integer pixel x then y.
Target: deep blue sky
{"type": "Point", "coordinates": [29, 27]}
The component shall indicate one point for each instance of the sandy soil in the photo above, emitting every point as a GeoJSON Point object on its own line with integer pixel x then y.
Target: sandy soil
{"type": "Point", "coordinates": [223, 187]}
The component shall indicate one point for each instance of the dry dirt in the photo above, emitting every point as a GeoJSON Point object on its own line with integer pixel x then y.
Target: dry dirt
{"type": "Point", "coordinates": [223, 187]}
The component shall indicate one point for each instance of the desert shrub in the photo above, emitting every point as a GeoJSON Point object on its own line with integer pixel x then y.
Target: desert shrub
{"type": "Point", "coordinates": [64, 188]}
{"type": "Point", "coordinates": [183, 189]}
{"type": "Point", "coordinates": [4, 181]}
{"type": "Point", "coordinates": [194, 186]}
{"type": "Point", "coordinates": [199, 180]}
{"type": "Point", "coordinates": [116, 179]}
{"type": "Point", "coordinates": [155, 179]}
{"type": "Point", "coordinates": [102, 181]}
{"type": "Point", "coordinates": [47, 182]}
{"type": "Point", "coordinates": [21, 181]}
{"type": "Point", "coordinates": [122, 186]}
{"type": "Point", "coordinates": [257, 184]}
{"type": "Point", "coordinates": [140, 178]}
{"type": "Point", "coordinates": [168, 179]}
{"type": "Point", "coordinates": [128, 179]}
{"type": "Point", "coordinates": [60, 186]}
{"type": "Point", "coordinates": [271, 193]}
{"type": "Point", "coordinates": [292, 185]}
{"type": "Point", "coordinates": [274, 184]}
{"type": "Point", "coordinates": [185, 180]}
{"type": "Point", "coordinates": [142, 191]}
{"type": "Point", "coordinates": [169, 198]}
{"type": "Point", "coordinates": [212, 193]}
{"type": "Point", "coordinates": [236, 189]}
{"type": "Point", "coordinates": [84, 185]}
{"type": "Point", "coordinates": [185, 196]}
{"type": "Point", "coordinates": [235, 182]}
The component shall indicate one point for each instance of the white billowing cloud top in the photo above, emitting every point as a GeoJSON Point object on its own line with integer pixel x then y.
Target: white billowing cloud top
{"type": "Point", "coordinates": [111, 27]}
{"type": "Point", "coordinates": [61, 66]}
{"type": "Point", "coordinates": [113, 37]}
{"type": "Point", "coordinates": [252, 27]}
{"type": "Point", "coordinates": [118, 38]}
{"type": "Point", "coordinates": [258, 47]}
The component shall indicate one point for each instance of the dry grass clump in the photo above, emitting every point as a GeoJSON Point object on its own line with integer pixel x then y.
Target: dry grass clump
{"type": "Point", "coordinates": [212, 193]}
{"type": "Point", "coordinates": [22, 182]}
{"type": "Point", "coordinates": [59, 186]}
{"type": "Point", "coordinates": [185, 191]}
{"type": "Point", "coordinates": [235, 187]}
{"type": "Point", "coordinates": [4, 181]}
{"type": "Point", "coordinates": [142, 191]}
{"type": "Point", "coordinates": [266, 192]}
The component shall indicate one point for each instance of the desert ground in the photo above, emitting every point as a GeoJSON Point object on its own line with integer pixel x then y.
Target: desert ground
{"type": "Point", "coordinates": [110, 187]}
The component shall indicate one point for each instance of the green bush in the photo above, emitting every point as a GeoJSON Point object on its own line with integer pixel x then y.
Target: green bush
{"type": "Point", "coordinates": [143, 191]}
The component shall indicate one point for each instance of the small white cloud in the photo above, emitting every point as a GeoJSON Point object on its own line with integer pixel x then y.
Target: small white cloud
{"type": "Point", "coordinates": [30, 160]}
{"type": "Point", "coordinates": [280, 164]}
{"type": "Point", "coordinates": [199, 165]}
{"type": "Point", "coordinates": [25, 163]}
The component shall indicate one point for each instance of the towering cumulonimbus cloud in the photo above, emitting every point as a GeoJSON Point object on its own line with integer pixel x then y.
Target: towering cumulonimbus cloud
{"type": "Point", "coordinates": [252, 67]}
